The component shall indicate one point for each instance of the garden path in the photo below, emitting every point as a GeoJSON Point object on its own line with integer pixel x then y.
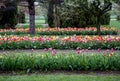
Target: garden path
{"type": "Point", "coordinates": [58, 51]}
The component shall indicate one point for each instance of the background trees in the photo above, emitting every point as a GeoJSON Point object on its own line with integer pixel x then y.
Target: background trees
{"type": "Point", "coordinates": [69, 13]}
{"type": "Point", "coordinates": [51, 6]}
{"type": "Point", "coordinates": [117, 9]}
{"type": "Point", "coordinates": [98, 8]}
{"type": "Point", "coordinates": [8, 14]}
{"type": "Point", "coordinates": [77, 13]}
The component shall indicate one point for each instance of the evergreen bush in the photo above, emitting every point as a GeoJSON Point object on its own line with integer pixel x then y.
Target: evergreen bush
{"type": "Point", "coordinates": [9, 16]}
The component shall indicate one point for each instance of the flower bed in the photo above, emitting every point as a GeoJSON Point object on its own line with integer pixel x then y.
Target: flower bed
{"type": "Point", "coordinates": [62, 31]}
{"type": "Point", "coordinates": [65, 62]}
{"type": "Point", "coordinates": [67, 42]}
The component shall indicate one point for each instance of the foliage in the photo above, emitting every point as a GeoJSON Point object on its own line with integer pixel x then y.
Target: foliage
{"type": "Point", "coordinates": [118, 18]}
{"type": "Point", "coordinates": [98, 8]}
{"type": "Point", "coordinates": [72, 14]}
{"type": "Point", "coordinates": [9, 15]}
{"type": "Point", "coordinates": [116, 9]}
{"type": "Point", "coordinates": [21, 15]}
{"type": "Point", "coordinates": [53, 62]}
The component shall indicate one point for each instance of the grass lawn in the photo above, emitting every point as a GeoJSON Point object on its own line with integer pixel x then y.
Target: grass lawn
{"type": "Point", "coordinates": [37, 21]}
{"type": "Point", "coordinates": [115, 24]}
{"type": "Point", "coordinates": [60, 77]}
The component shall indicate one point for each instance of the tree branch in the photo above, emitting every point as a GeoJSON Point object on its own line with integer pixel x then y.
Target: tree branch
{"type": "Point", "coordinates": [107, 8]}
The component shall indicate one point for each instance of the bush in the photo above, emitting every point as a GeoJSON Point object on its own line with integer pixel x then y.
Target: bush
{"type": "Point", "coordinates": [118, 18]}
{"type": "Point", "coordinates": [66, 62]}
{"type": "Point", "coordinates": [9, 16]}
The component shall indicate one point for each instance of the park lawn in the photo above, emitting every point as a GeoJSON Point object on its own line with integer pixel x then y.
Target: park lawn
{"type": "Point", "coordinates": [60, 77]}
{"type": "Point", "coordinates": [37, 21]}
{"type": "Point", "coordinates": [26, 25]}
{"type": "Point", "coordinates": [116, 24]}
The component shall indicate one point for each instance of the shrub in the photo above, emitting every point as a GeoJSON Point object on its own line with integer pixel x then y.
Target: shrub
{"type": "Point", "coordinates": [9, 16]}
{"type": "Point", "coordinates": [118, 18]}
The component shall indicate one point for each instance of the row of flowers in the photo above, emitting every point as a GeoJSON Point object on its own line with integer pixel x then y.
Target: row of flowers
{"type": "Point", "coordinates": [62, 31]}
{"type": "Point", "coordinates": [54, 62]}
{"type": "Point", "coordinates": [66, 42]}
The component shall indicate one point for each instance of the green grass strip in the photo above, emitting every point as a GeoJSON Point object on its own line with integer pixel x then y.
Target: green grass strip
{"type": "Point", "coordinates": [60, 77]}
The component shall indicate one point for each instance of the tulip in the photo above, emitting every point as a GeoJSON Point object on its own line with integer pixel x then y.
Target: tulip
{"type": "Point", "coordinates": [50, 49]}
{"type": "Point", "coordinates": [45, 50]}
{"type": "Point", "coordinates": [32, 50]}
{"type": "Point", "coordinates": [54, 52]}
{"type": "Point", "coordinates": [78, 52]}
{"type": "Point", "coordinates": [98, 50]}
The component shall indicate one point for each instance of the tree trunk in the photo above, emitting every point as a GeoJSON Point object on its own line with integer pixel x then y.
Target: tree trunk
{"type": "Point", "coordinates": [98, 25]}
{"type": "Point", "coordinates": [31, 8]}
{"type": "Point", "coordinates": [50, 14]}
{"type": "Point", "coordinates": [56, 17]}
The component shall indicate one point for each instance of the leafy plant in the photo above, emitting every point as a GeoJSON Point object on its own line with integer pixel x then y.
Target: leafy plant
{"type": "Point", "coordinates": [49, 62]}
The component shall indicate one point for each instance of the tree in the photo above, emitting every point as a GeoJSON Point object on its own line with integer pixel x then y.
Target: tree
{"type": "Point", "coordinates": [31, 8]}
{"type": "Point", "coordinates": [98, 8]}
{"type": "Point", "coordinates": [52, 5]}
{"type": "Point", "coordinates": [72, 14]}
{"type": "Point", "coordinates": [116, 9]}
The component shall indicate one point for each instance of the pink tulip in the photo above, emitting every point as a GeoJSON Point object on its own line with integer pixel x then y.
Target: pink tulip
{"type": "Point", "coordinates": [108, 50]}
{"type": "Point", "coordinates": [54, 52]}
{"type": "Point", "coordinates": [78, 52]}
{"type": "Point", "coordinates": [77, 48]}
{"type": "Point", "coordinates": [86, 50]}
{"type": "Point", "coordinates": [98, 50]}
{"type": "Point", "coordinates": [32, 50]}
{"type": "Point", "coordinates": [93, 50]}
{"type": "Point", "coordinates": [112, 50]}
{"type": "Point", "coordinates": [50, 49]}
{"type": "Point", "coordinates": [45, 50]}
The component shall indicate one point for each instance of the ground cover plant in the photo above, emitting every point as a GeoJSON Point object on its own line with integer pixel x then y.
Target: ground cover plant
{"type": "Point", "coordinates": [65, 42]}
{"type": "Point", "coordinates": [62, 31]}
{"type": "Point", "coordinates": [53, 61]}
